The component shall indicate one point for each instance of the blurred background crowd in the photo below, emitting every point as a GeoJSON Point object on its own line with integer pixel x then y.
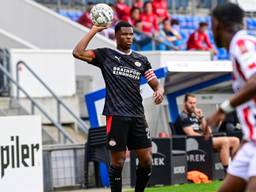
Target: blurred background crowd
{"type": "Point", "coordinates": [158, 24]}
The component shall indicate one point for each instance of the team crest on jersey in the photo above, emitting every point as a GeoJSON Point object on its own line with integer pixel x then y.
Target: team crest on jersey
{"type": "Point", "coordinates": [137, 63]}
{"type": "Point", "coordinates": [112, 143]}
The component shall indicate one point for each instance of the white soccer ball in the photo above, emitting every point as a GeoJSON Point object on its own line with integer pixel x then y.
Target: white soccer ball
{"type": "Point", "coordinates": [102, 14]}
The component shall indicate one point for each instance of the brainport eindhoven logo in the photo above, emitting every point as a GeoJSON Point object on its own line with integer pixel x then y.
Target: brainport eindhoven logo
{"type": "Point", "coordinates": [194, 154]}
{"type": "Point", "coordinates": [17, 155]}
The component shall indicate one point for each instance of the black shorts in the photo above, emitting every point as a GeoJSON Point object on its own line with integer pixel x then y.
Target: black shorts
{"type": "Point", "coordinates": [127, 132]}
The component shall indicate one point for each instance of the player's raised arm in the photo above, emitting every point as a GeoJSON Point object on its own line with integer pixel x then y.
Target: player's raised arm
{"type": "Point", "coordinates": [80, 51]}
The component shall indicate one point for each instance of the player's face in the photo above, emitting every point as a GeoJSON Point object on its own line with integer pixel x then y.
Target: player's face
{"type": "Point", "coordinates": [124, 37]}
{"type": "Point", "coordinates": [190, 104]}
{"type": "Point", "coordinates": [216, 29]}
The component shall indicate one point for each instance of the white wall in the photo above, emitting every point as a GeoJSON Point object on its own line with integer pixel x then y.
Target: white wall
{"type": "Point", "coordinates": [163, 58]}
{"type": "Point", "coordinates": [8, 40]}
{"type": "Point", "coordinates": [42, 27]}
{"type": "Point", "coordinates": [248, 5]}
{"type": "Point", "coordinates": [55, 67]}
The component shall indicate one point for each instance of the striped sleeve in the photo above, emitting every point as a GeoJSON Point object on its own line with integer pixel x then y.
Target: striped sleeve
{"type": "Point", "coordinates": [149, 75]}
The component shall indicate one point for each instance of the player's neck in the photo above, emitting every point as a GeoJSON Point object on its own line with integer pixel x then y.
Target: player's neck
{"type": "Point", "coordinates": [125, 51]}
{"type": "Point", "coordinates": [229, 34]}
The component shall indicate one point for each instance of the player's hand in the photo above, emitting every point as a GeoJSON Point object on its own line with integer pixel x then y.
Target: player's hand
{"type": "Point", "coordinates": [207, 132]}
{"type": "Point", "coordinates": [214, 51]}
{"type": "Point", "coordinates": [100, 28]}
{"type": "Point", "coordinates": [158, 96]}
{"type": "Point", "coordinates": [199, 113]}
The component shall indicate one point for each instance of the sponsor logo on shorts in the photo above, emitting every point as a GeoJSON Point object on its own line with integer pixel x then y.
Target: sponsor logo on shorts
{"type": "Point", "coordinates": [112, 143]}
{"type": "Point", "coordinates": [148, 133]}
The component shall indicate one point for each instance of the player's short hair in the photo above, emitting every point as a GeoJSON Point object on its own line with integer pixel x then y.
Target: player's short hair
{"type": "Point", "coordinates": [229, 14]}
{"type": "Point", "coordinates": [121, 24]}
{"type": "Point", "coordinates": [187, 95]}
{"type": "Point", "coordinates": [203, 24]}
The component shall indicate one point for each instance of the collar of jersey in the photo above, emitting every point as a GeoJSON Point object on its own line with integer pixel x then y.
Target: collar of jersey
{"type": "Point", "coordinates": [123, 53]}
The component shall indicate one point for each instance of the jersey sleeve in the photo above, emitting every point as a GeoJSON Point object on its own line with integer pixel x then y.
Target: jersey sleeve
{"type": "Point", "coordinates": [245, 55]}
{"type": "Point", "coordinates": [98, 59]}
{"type": "Point", "coordinates": [149, 73]}
{"type": "Point", "coordinates": [184, 121]}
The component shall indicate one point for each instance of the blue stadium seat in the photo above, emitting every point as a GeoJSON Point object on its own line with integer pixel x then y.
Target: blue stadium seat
{"type": "Point", "coordinates": [210, 34]}
{"type": "Point", "coordinates": [249, 23]}
{"type": "Point", "coordinates": [63, 13]}
{"type": "Point", "coordinates": [222, 54]}
{"type": "Point", "coordinates": [253, 23]}
{"type": "Point", "coordinates": [189, 22]}
{"type": "Point", "coordinates": [182, 20]}
{"type": "Point", "coordinates": [72, 14]}
{"type": "Point", "coordinates": [196, 21]}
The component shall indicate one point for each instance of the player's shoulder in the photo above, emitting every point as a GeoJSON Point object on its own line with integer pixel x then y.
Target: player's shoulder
{"type": "Point", "coordinates": [183, 115]}
{"type": "Point", "coordinates": [139, 56]}
{"type": "Point", "coordinates": [242, 41]}
{"type": "Point", "coordinates": [104, 51]}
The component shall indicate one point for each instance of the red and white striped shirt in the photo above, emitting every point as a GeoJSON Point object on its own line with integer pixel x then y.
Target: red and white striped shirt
{"type": "Point", "coordinates": [243, 55]}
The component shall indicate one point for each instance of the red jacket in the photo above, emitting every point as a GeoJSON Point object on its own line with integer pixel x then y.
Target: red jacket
{"type": "Point", "coordinates": [85, 20]}
{"type": "Point", "coordinates": [160, 8]}
{"type": "Point", "coordinates": [149, 23]}
{"type": "Point", "coordinates": [122, 11]}
{"type": "Point", "coordinates": [199, 41]}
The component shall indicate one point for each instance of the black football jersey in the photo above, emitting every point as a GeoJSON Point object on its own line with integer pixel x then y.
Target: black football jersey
{"type": "Point", "coordinates": [186, 120]}
{"type": "Point", "coordinates": [122, 73]}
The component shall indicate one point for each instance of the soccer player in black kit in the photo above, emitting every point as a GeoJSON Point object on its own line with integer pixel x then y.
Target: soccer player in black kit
{"type": "Point", "coordinates": [126, 126]}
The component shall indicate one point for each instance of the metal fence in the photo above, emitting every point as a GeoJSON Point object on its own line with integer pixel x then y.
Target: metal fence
{"type": "Point", "coordinates": [64, 167]}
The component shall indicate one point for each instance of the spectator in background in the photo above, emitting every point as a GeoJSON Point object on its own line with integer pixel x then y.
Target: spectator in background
{"type": "Point", "coordinates": [138, 4]}
{"type": "Point", "coordinates": [135, 15]}
{"type": "Point", "coordinates": [149, 20]}
{"type": "Point", "coordinates": [160, 8]}
{"type": "Point", "coordinates": [190, 123]}
{"type": "Point", "coordinates": [140, 38]}
{"type": "Point", "coordinates": [85, 19]}
{"type": "Point", "coordinates": [122, 10]}
{"type": "Point", "coordinates": [199, 40]}
{"type": "Point", "coordinates": [175, 24]}
{"type": "Point", "coordinates": [169, 35]}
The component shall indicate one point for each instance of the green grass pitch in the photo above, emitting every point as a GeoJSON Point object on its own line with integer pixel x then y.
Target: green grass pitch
{"type": "Point", "coordinates": [211, 187]}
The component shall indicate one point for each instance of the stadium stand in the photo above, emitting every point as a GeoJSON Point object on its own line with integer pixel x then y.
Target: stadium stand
{"type": "Point", "coordinates": [187, 25]}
